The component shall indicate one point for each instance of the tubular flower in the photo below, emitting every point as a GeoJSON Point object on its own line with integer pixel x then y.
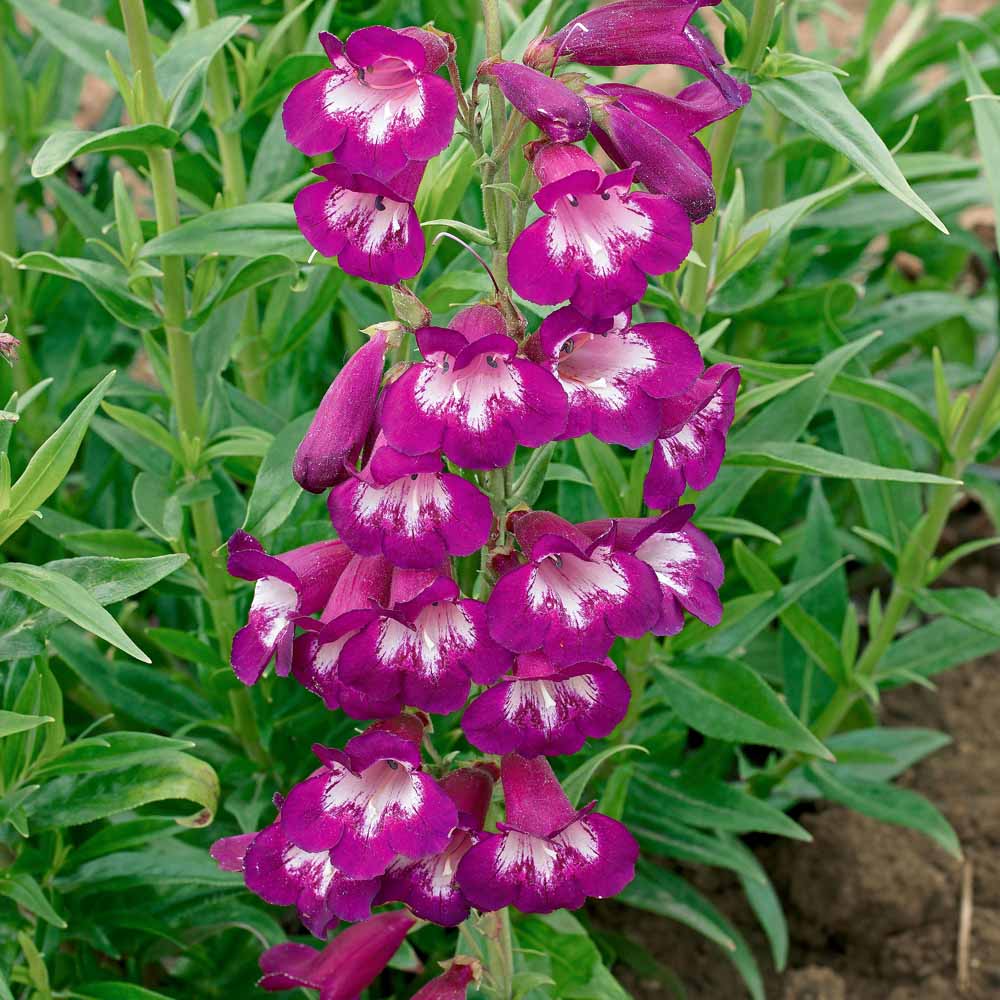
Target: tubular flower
{"type": "Point", "coordinates": [597, 239]}
{"type": "Point", "coordinates": [345, 967]}
{"type": "Point", "coordinates": [428, 886]}
{"type": "Point", "coordinates": [370, 802]}
{"type": "Point", "coordinates": [656, 133]}
{"type": "Point", "coordinates": [379, 106]}
{"type": "Point", "coordinates": [547, 855]}
{"type": "Point", "coordinates": [692, 440]}
{"type": "Point", "coordinates": [285, 875]}
{"type": "Point", "coordinates": [365, 583]}
{"type": "Point", "coordinates": [343, 421]}
{"type": "Point", "coordinates": [614, 374]}
{"type": "Point", "coordinates": [411, 511]}
{"type": "Point", "coordinates": [288, 586]}
{"type": "Point", "coordinates": [635, 33]}
{"type": "Point", "coordinates": [472, 397]}
{"type": "Point", "coordinates": [687, 565]}
{"type": "Point", "coordinates": [453, 983]}
{"type": "Point", "coordinates": [547, 710]}
{"type": "Point", "coordinates": [424, 652]}
{"type": "Point", "coordinates": [573, 597]}
{"type": "Point", "coordinates": [370, 226]}
{"type": "Point", "coordinates": [564, 116]}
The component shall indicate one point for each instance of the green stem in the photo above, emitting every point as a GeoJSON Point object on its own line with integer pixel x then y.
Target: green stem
{"type": "Point", "coordinates": [503, 215]}
{"type": "Point", "coordinates": [208, 535]}
{"type": "Point", "coordinates": [500, 954]}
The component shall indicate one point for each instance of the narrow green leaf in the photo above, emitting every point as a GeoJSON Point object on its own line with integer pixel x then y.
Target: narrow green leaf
{"type": "Point", "coordinates": [986, 116]}
{"type": "Point", "coordinates": [61, 147]}
{"type": "Point", "coordinates": [14, 722]}
{"type": "Point", "coordinates": [576, 782]}
{"type": "Point", "coordinates": [146, 427]}
{"type": "Point", "coordinates": [737, 526]}
{"type": "Point", "coordinates": [157, 507]}
{"type": "Point", "coordinates": [605, 472]}
{"type": "Point", "coordinates": [26, 892]}
{"type": "Point", "coordinates": [275, 492]}
{"type": "Point", "coordinates": [192, 50]}
{"type": "Point", "coordinates": [969, 605]}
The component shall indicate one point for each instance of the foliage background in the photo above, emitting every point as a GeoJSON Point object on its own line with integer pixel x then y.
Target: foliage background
{"type": "Point", "coordinates": [126, 746]}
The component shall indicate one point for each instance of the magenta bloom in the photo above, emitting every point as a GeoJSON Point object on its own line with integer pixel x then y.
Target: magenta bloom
{"type": "Point", "coordinates": [561, 114]}
{"type": "Point", "coordinates": [290, 585]}
{"type": "Point", "coordinates": [343, 421]}
{"type": "Point", "coordinates": [472, 397]}
{"type": "Point", "coordinates": [692, 439]}
{"type": "Point", "coordinates": [285, 875]}
{"type": "Point", "coordinates": [574, 596]}
{"type": "Point", "coordinates": [547, 855]}
{"type": "Point", "coordinates": [615, 374]}
{"type": "Point", "coordinates": [547, 710]}
{"type": "Point", "coordinates": [345, 967]}
{"type": "Point", "coordinates": [453, 984]}
{"type": "Point", "coordinates": [379, 106]}
{"type": "Point", "coordinates": [370, 802]}
{"type": "Point", "coordinates": [370, 226]}
{"type": "Point", "coordinates": [410, 510]}
{"type": "Point", "coordinates": [687, 565]}
{"type": "Point", "coordinates": [656, 133]}
{"type": "Point", "coordinates": [598, 240]}
{"type": "Point", "coordinates": [428, 886]}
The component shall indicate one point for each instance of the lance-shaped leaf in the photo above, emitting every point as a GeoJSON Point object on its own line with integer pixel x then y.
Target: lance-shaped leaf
{"type": "Point", "coordinates": [61, 147]}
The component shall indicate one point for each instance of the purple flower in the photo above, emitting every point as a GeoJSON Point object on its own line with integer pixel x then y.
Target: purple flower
{"type": "Point", "coordinates": [614, 374]}
{"type": "Point", "coordinates": [547, 710]}
{"type": "Point", "coordinates": [573, 597]}
{"type": "Point", "coordinates": [371, 802]}
{"type": "Point", "coordinates": [692, 439]}
{"type": "Point", "coordinates": [379, 106]}
{"type": "Point", "coordinates": [635, 33]}
{"type": "Point", "coordinates": [345, 967]}
{"type": "Point", "coordinates": [472, 397]}
{"type": "Point", "coordinates": [547, 855]}
{"type": "Point", "coordinates": [656, 133]}
{"type": "Point", "coordinates": [370, 226]}
{"type": "Point", "coordinates": [424, 652]}
{"type": "Point", "coordinates": [428, 886]}
{"type": "Point", "coordinates": [285, 875]}
{"type": "Point", "coordinates": [288, 586]}
{"type": "Point", "coordinates": [687, 565]}
{"type": "Point", "coordinates": [561, 114]}
{"type": "Point", "coordinates": [453, 984]}
{"type": "Point", "coordinates": [411, 511]}
{"type": "Point", "coordinates": [343, 421]}
{"type": "Point", "coordinates": [597, 240]}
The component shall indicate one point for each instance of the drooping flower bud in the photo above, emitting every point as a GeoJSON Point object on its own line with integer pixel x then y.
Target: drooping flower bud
{"type": "Point", "coordinates": [559, 112]}
{"type": "Point", "coordinates": [453, 983]}
{"type": "Point", "coordinates": [343, 421]}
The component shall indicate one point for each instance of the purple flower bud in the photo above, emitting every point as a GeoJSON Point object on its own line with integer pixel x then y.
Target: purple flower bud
{"type": "Point", "coordinates": [343, 421]}
{"type": "Point", "coordinates": [379, 106]}
{"type": "Point", "coordinates": [289, 586]}
{"type": "Point", "coordinates": [546, 856]}
{"type": "Point", "coordinates": [345, 967]}
{"type": "Point", "coordinates": [8, 347]}
{"type": "Point", "coordinates": [454, 983]}
{"type": "Point", "coordinates": [559, 112]}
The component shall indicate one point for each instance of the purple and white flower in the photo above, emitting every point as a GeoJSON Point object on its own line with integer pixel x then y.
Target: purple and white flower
{"type": "Point", "coordinates": [371, 802]}
{"type": "Point", "coordinates": [411, 511]}
{"type": "Point", "coordinates": [573, 597]}
{"type": "Point", "coordinates": [472, 397]}
{"type": "Point", "coordinates": [345, 967]}
{"type": "Point", "coordinates": [343, 421]}
{"type": "Point", "coordinates": [546, 710]}
{"type": "Point", "coordinates": [379, 106]}
{"type": "Point", "coordinates": [428, 886]}
{"type": "Point", "coordinates": [370, 226]}
{"type": "Point", "coordinates": [597, 239]}
{"type": "Point", "coordinates": [547, 855]}
{"type": "Point", "coordinates": [692, 439]}
{"type": "Point", "coordinates": [288, 586]}
{"type": "Point", "coordinates": [562, 114]}
{"type": "Point", "coordinates": [615, 373]}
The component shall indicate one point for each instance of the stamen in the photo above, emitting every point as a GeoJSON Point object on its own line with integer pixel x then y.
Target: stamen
{"type": "Point", "coordinates": [444, 234]}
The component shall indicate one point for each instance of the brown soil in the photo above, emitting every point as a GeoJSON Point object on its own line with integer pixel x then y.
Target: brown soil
{"type": "Point", "coordinates": [873, 910]}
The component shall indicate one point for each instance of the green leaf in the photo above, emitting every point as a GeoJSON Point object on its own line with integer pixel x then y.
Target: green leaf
{"type": "Point", "coordinates": [604, 470]}
{"type": "Point", "coordinates": [939, 646]}
{"type": "Point", "coordinates": [728, 701]}
{"type": "Point", "coordinates": [61, 147]}
{"type": "Point", "coordinates": [887, 803]}
{"type": "Point", "coordinates": [986, 116]}
{"type": "Point", "coordinates": [104, 753]}
{"type": "Point", "coordinates": [968, 605]}
{"type": "Point", "coordinates": [66, 596]}
{"type": "Point", "coordinates": [275, 492]}
{"type": "Point", "coordinates": [764, 902]}
{"type": "Point", "coordinates": [737, 526]}
{"type": "Point", "coordinates": [660, 891]}
{"type": "Point", "coordinates": [576, 781]}
{"type": "Point", "coordinates": [157, 507]}
{"type": "Point", "coordinates": [807, 459]}
{"type": "Point", "coordinates": [50, 464]}
{"type": "Point", "coordinates": [817, 102]}
{"type": "Point", "coordinates": [146, 427]}
{"type": "Point", "coordinates": [242, 277]}
{"type": "Point", "coordinates": [13, 722]}
{"type": "Point", "coordinates": [26, 892]}
{"type": "Point", "coordinates": [191, 52]}
{"type": "Point", "coordinates": [893, 400]}
{"type": "Point", "coordinates": [83, 40]}
{"type": "Point", "coordinates": [169, 775]}
{"type": "Point", "coordinates": [116, 991]}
